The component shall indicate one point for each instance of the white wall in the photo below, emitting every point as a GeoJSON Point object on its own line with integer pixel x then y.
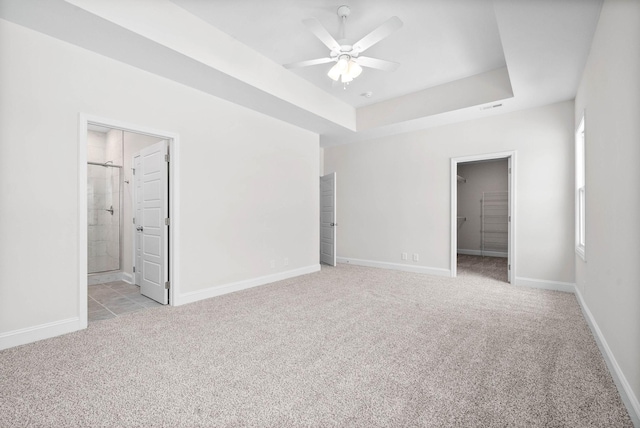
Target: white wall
{"type": "Point", "coordinates": [609, 94]}
{"type": "Point", "coordinates": [394, 192]}
{"type": "Point", "coordinates": [248, 184]}
{"type": "Point", "coordinates": [491, 176]}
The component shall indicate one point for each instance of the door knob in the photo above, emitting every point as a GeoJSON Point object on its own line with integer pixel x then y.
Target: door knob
{"type": "Point", "coordinates": [139, 228]}
{"type": "Point", "coordinates": [333, 224]}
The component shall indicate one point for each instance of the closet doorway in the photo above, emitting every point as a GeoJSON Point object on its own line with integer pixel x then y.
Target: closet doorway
{"type": "Point", "coordinates": [483, 216]}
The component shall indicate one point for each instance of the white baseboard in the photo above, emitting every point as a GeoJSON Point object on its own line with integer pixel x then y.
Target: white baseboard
{"type": "Point", "coordinates": [485, 253]}
{"type": "Point", "coordinates": [567, 287]}
{"type": "Point", "coordinates": [395, 266]}
{"type": "Point", "coordinates": [219, 290]}
{"type": "Point", "coordinates": [39, 332]}
{"type": "Point", "coordinates": [103, 278]}
{"type": "Point", "coordinates": [626, 393]}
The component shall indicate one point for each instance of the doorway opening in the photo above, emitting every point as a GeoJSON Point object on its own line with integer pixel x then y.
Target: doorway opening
{"type": "Point", "coordinates": [483, 216]}
{"type": "Point", "coordinates": [127, 217]}
{"type": "Point", "coordinates": [328, 219]}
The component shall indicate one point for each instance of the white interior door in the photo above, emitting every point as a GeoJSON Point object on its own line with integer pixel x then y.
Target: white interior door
{"type": "Point", "coordinates": [328, 219]}
{"type": "Point", "coordinates": [509, 228]}
{"type": "Point", "coordinates": [152, 172]}
{"type": "Point", "coordinates": [137, 209]}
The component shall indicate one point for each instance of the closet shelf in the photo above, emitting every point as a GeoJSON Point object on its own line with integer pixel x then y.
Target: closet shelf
{"type": "Point", "coordinates": [494, 230]}
{"type": "Point", "coordinates": [461, 179]}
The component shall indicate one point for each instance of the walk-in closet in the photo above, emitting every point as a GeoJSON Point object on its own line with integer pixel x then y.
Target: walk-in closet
{"type": "Point", "coordinates": [483, 218]}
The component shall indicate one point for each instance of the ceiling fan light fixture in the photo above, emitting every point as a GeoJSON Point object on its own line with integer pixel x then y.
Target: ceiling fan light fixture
{"type": "Point", "coordinates": [334, 73]}
{"type": "Point", "coordinates": [354, 69]}
{"type": "Point", "coordinates": [343, 63]}
{"type": "Point", "coordinates": [345, 70]}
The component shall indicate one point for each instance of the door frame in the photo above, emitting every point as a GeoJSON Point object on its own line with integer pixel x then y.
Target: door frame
{"type": "Point", "coordinates": [512, 206]}
{"type": "Point", "coordinates": [135, 236]}
{"type": "Point", "coordinates": [174, 204]}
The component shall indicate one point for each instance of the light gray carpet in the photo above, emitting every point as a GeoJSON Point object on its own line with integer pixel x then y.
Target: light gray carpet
{"type": "Point", "coordinates": [348, 346]}
{"type": "Point", "coordinates": [490, 267]}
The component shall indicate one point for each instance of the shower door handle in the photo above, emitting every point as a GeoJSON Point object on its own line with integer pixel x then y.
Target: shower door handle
{"type": "Point", "coordinates": [139, 228]}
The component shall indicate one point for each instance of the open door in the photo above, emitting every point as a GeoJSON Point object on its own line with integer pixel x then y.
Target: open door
{"type": "Point", "coordinates": [152, 221]}
{"type": "Point", "coordinates": [137, 209]}
{"type": "Point", "coordinates": [328, 219]}
{"type": "Point", "coordinates": [509, 214]}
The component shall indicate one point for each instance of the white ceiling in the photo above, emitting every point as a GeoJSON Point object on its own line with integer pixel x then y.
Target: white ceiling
{"type": "Point", "coordinates": [441, 40]}
{"type": "Point", "coordinates": [456, 56]}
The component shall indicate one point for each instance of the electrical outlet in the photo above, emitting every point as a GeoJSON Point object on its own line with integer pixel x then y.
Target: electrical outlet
{"type": "Point", "coordinates": [416, 257]}
{"type": "Point", "coordinates": [286, 261]}
{"type": "Point", "coordinates": [403, 256]}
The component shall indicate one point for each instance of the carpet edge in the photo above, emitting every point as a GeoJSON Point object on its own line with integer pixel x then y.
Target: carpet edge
{"type": "Point", "coordinates": [629, 399]}
{"type": "Point", "coordinates": [395, 266]}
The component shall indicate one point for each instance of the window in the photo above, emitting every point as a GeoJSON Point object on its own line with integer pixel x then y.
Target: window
{"type": "Point", "coordinates": [580, 191]}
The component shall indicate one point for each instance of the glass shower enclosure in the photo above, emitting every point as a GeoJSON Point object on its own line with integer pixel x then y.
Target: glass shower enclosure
{"type": "Point", "coordinates": [104, 194]}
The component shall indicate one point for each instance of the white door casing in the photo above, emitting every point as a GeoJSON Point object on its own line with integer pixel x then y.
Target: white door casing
{"type": "Point", "coordinates": [173, 257]}
{"type": "Point", "coordinates": [511, 239]}
{"type": "Point", "coordinates": [151, 211]}
{"type": "Point", "coordinates": [328, 219]}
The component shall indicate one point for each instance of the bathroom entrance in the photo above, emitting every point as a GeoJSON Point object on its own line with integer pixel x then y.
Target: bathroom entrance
{"type": "Point", "coordinates": [128, 221]}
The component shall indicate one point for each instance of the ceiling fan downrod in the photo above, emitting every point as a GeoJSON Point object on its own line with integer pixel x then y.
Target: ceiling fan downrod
{"type": "Point", "coordinates": [343, 12]}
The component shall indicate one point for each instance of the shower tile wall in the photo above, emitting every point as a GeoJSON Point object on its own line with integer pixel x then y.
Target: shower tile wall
{"type": "Point", "coordinates": [103, 189]}
{"type": "Point", "coordinates": [113, 150]}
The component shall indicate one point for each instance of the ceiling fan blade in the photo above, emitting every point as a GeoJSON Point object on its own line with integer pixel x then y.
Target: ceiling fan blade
{"type": "Point", "coordinates": [379, 64]}
{"type": "Point", "coordinates": [321, 33]}
{"type": "Point", "coordinates": [388, 27]}
{"type": "Point", "coordinates": [309, 62]}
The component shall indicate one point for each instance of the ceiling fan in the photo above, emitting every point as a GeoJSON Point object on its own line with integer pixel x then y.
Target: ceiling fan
{"type": "Point", "coordinates": [347, 57]}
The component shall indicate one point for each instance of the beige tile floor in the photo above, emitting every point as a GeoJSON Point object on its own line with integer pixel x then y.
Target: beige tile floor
{"type": "Point", "coordinates": [116, 298]}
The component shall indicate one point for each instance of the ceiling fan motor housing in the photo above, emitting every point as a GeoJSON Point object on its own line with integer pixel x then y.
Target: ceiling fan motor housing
{"type": "Point", "coordinates": [344, 50]}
